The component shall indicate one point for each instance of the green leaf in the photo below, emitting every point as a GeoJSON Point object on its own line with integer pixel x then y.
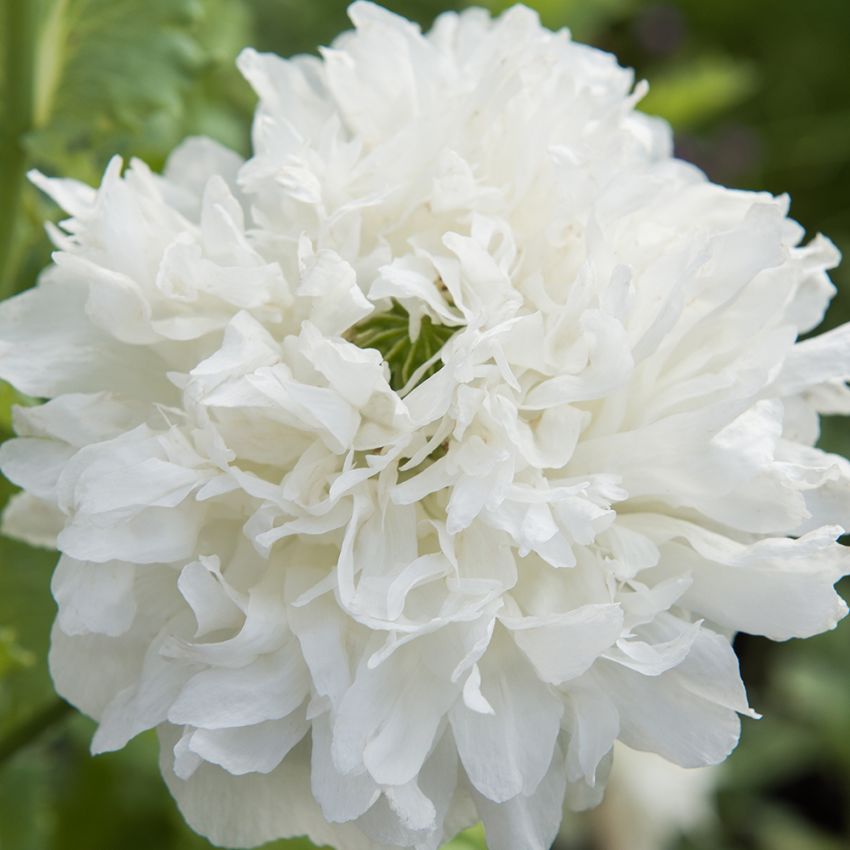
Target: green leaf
{"type": "Point", "coordinates": [111, 77]}
{"type": "Point", "coordinates": [86, 79]}
{"type": "Point", "coordinates": [9, 398]}
{"type": "Point", "coordinates": [25, 803]}
{"type": "Point", "coordinates": [583, 18]}
{"type": "Point", "coordinates": [834, 435]}
{"type": "Point", "coordinates": [12, 654]}
{"type": "Point", "coordinates": [26, 614]}
{"type": "Point", "coordinates": [18, 35]}
{"type": "Point", "coordinates": [472, 839]}
{"type": "Point", "coordinates": [691, 94]}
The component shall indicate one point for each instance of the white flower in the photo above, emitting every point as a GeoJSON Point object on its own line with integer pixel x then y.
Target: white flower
{"type": "Point", "coordinates": [650, 803]}
{"type": "Point", "coordinates": [402, 468]}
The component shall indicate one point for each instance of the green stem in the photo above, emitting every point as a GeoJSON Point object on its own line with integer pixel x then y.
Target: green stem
{"type": "Point", "coordinates": [30, 731]}
{"type": "Point", "coordinates": [21, 18]}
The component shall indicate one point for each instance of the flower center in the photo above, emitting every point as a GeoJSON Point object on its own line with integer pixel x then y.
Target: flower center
{"type": "Point", "coordinates": [403, 349]}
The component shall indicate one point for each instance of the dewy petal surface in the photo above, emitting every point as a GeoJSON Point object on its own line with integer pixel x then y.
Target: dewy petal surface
{"type": "Point", "coordinates": [402, 468]}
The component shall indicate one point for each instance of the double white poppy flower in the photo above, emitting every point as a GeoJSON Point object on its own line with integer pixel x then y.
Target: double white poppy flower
{"type": "Point", "coordinates": [400, 469]}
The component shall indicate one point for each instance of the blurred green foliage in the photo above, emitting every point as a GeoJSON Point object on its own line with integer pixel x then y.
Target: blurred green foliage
{"type": "Point", "coordinates": [759, 95]}
{"type": "Point", "coordinates": [695, 92]}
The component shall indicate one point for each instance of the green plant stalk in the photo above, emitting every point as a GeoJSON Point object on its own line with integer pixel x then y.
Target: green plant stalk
{"type": "Point", "coordinates": [21, 35]}
{"type": "Point", "coordinates": [31, 730]}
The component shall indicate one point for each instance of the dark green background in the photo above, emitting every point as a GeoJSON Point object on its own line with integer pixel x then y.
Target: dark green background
{"type": "Point", "coordinates": [758, 92]}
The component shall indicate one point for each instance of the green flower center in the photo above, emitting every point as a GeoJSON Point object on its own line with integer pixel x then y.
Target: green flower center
{"type": "Point", "coordinates": [389, 333]}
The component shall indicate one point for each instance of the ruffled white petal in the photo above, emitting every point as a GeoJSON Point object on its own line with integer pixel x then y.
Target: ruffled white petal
{"type": "Point", "coordinates": [374, 614]}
